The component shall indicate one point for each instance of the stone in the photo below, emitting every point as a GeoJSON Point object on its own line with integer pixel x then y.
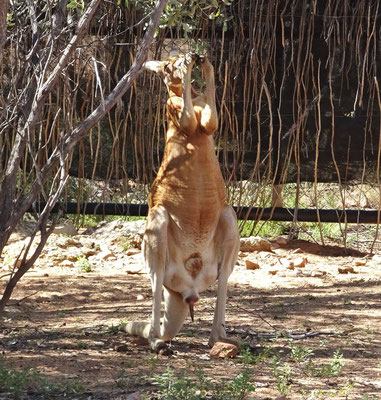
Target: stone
{"type": "Point", "coordinates": [106, 255]}
{"type": "Point", "coordinates": [287, 263]}
{"type": "Point", "coordinates": [67, 228]}
{"type": "Point", "coordinates": [88, 252]}
{"type": "Point", "coordinates": [223, 350]}
{"type": "Point", "coordinates": [251, 265]}
{"type": "Point", "coordinates": [346, 270]}
{"type": "Point", "coordinates": [134, 269]}
{"type": "Point", "coordinates": [300, 262]}
{"type": "Point", "coordinates": [255, 243]}
{"type": "Point", "coordinates": [361, 263]}
{"type": "Point", "coordinates": [132, 252]}
{"type": "Point", "coordinates": [297, 251]}
{"type": "Point", "coordinates": [281, 241]}
{"type": "Point", "coordinates": [134, 396]}
{"type": "Point", "coordinates": [65, 242]}
{"type": "Point", "coordinates": [120, 347]}
{"type": "Point", "coordinates": [67, 263]}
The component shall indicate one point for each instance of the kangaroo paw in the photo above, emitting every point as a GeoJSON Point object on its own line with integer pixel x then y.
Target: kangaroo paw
{"type": "Point", "coordinates": [160, 347]}
{"type": "Point", "coordinates": [223, 339]}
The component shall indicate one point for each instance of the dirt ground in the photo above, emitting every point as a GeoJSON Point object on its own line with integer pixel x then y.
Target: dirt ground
{"type": "Point", "coordinates": [62, 321]}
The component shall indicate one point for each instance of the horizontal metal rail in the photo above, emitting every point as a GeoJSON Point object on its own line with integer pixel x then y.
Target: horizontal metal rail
{"type": "Point", "coordinates": [251, 213]}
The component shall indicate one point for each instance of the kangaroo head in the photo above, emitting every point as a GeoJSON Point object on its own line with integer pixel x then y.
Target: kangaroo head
{"type": "Point", "coordinates": [171, 70]}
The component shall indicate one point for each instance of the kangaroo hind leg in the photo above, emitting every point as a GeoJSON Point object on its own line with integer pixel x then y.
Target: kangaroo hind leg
{"type": "Point", "coordinates": [175, 312]}
{"type": "Point", "coordinates": [154, 251]}
{"type": "Point", "coordinates": [227, 241]}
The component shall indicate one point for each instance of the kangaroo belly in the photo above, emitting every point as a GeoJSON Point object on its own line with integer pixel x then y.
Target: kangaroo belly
{"type": "Point", "coordinates": [195, 273]}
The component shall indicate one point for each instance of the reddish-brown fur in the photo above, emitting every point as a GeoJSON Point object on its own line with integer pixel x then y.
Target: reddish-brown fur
{"type": "Point", "coordinates": [191, 238]}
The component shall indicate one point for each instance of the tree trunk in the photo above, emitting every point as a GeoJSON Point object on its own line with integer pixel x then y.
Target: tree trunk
{"type": "Point", "coordinates": [4, 4]}
{"type": "Point", "coordinates": [13, 214]}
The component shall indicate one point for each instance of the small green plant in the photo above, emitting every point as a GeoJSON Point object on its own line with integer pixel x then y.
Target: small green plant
{"type": "Point", "coordinates": [16, 383]}
{"type": "Point", "coordinates": [300, 354]}
{"type": "Point", "coordinates": [61, 388]}
{"type": "Point", "coordinates": [151, 362]}
{"type": "Point", "coordinates": [82, 345]}
{"type": "Point", "coordinates": [176, 388]}
{"type": "Point", "coordinates": [236, 389]}
{"type": "Point", "coordinates": [113, 329]}
{"type": "Point", "coordinates": [332, 369]}
{"type": "Point", "coordinates": [247, 357]}
{"type": "Point", "coordinates": [124, 381]}
{"type": "Point", "coordinates": [182, 387]}
{"type": "Point", "coordinates": [129, 363]}
{"type": "Point", "coordinates": [282, 374]}
{"type": "Point", "coordinates": [84, 264]}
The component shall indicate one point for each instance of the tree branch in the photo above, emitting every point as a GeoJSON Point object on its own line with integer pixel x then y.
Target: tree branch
{"type": "Point", "coordinates": [72, 138]}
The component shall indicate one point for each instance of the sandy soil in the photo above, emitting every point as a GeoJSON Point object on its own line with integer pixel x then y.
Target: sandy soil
{"type": "Point", "coordinates": [61, 321]}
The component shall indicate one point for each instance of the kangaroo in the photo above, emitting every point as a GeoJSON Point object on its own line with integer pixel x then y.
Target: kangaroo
{"type": "Point", "coordinates": [191, 237]}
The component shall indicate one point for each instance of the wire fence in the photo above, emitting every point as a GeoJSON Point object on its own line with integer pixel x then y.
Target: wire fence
{"type": "Point", "coordinates": [298, 98]}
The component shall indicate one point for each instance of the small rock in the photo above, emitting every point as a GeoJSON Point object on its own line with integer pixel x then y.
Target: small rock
{"type": "Point", "coordinates": [273, 271]}
{"type": "Point", "coordinates": [65, 242]}
{"type": "Point", "coordinates": [134, 269]}
{"type": "Point", "coordinates": [281, 241]}
{"type": "Point", "coordinates": [88, 252]}
{"type": "Point", "coordinates": [300, 262]}
{"type": "Point", "coordinates": [106, 255]}
{"type": "Point", "coordinates": [120, 347]}
{"type": "Point", "coordinates": [132, 252]}
{"type": "Point", "coordinates": [361, 263]}
{"type": "Point", "coordinates": [287, 263]}
{"type": "Point", "coordinates": [251, 265]}
{"type": "Point", "coordinates": [297, 251]}
{"type": "Point", "coordinates": [134, 396]}
{"type": "Point", "coordinates": [242, 254]}
{"type": "Point", "coordinates": [223, 350]}
{"type": "Point", "coordinates": [255, 243]}
{"type": "Point", "coordinates": [346, 270]}
{"type": "Point", "coordinates": [139, 297]}
{"type": "Point", "coordinates": [313, 274]}
{"type": "Point", "coordinates": [67, 263]}
{"type": "Point", "coordinates": [67, 228]}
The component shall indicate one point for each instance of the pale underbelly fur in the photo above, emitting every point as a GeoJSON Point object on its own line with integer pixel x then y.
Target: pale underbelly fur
{"type": "Point", "coordinates": [183, 279]}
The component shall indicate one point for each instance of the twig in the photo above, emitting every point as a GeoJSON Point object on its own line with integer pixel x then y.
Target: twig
{"type": "Point", "coordinates": [277, 333]}
{"type": "Point", "coordinates": [259, 316]}
{"type": "Point", "coordinates": [18, 302]}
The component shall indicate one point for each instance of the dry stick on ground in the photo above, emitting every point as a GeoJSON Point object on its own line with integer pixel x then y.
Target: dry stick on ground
{"type": "Point", "coordinates": [70, 139]}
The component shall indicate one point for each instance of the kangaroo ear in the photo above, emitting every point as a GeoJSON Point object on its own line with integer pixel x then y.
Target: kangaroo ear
{"type": "Point", "coordinates": [173, 53]}
{"type": "Point", "coordinates": [153, 66]}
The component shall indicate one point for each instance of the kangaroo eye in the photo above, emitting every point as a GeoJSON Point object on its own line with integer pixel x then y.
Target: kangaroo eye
{"type": "Point", "coordinates": [167, 68]}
